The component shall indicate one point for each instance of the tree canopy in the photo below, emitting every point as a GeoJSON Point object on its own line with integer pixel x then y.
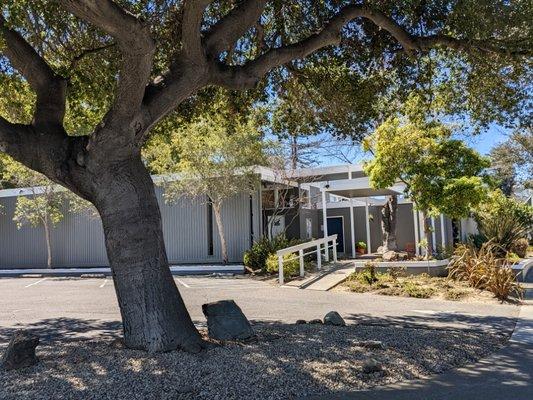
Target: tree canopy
{"type": "Point", "coordinates": [441, 174]}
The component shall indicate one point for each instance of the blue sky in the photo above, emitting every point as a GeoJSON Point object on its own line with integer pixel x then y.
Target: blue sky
{"type": "Point", "coordinates": [482, 142]}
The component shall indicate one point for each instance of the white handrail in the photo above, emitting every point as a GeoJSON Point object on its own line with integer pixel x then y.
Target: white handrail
{"type": "Point", "coordinates": [299, 248]}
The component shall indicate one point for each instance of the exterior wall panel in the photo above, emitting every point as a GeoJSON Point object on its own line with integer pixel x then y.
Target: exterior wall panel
{"type": "Point", "coordinates": [78, 240]}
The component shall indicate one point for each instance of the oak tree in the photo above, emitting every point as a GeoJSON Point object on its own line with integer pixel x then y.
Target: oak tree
{"type": "Point", "coordinates": [102, 75]}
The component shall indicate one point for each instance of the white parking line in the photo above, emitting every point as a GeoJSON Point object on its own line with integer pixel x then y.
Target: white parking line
{"type": "Point", "coordinates": [35, 283]}
{"type": "Point", "coordinates": [103, 284]}
{"type": "Point", "coordinates": [183, 283]}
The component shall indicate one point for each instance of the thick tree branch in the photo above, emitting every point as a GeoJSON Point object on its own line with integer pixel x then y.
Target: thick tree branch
{"type": "Point", "coordinates": [225, 33]}
{"type": "Point", "coordinates": [191, 35]}
{"type": "Point", "coordinates": [137, 47]}
{"type": "Point", "coordinates": [247, 76]}
{"type": "Point", "coordinates": [49, 87]}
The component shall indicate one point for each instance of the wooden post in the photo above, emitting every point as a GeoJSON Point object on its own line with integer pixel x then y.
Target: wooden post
{"type": "Point", "coordinates": [318, 257]}
{"type": "Point", "coordinates": [352, 228]}
{"type": "Point", "coordinates": [335, 250]}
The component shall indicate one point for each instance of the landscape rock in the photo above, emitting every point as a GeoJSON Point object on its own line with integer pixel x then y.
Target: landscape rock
{"type": "Point", "coordinates": [301, 321]}
{"type": "Point", "coordinates": [395, 256]}
{"type": "Point", "coordinates": [226, 321]}
{"type": "Point", "coordinates": [371, 344]}
{"type": "Point", "coordinates": [315, 321]}
{"type": "Point", "coordinates": [20, 352]}
{"type": "Point", "coordinates": [334, 318]}
{"type": "Point", "coordinates": [370, 366]}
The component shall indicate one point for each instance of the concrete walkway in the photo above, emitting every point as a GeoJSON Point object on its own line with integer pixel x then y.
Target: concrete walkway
{"type": "Point", "coordinates": [175, 269]}
{"type": "Point", "coordinates": [506, 374]}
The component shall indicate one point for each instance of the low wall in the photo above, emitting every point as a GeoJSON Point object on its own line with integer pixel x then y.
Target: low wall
{"type": "Point", "coordinates": [430, 267]}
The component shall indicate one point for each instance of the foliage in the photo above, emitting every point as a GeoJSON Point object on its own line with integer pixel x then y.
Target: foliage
{"type": "Point", "coordinates": [213, 156]}
{"type": "Point", "coordinates": [476, 240]}
{"type": "Point", "coordinates": [291, 265]}
{"type": "Point", "coordinates": [483, 269]}
{"type": "Point", "coordinates": [504, 220]}
{"type": "Point", "coordinates": [255, 258]}
{"type": "Point", "coordinates": [413, 289]}
{"type": "Point", "coordinates": [360, 245]}
{"type": "Point", "coordinates": [520, 247]}
{"type": "Point", "coordinates": [441, 174]}
{"type": "Point", "coordinates": [512, 162]}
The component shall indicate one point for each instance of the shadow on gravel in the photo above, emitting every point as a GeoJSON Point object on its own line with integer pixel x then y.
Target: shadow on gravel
{"type": "Point", "coordinates": [285, 362]}
{"type": "Point", "coordinates": [440, 321]}
{"type": "Point", "coordinates": [60, 329]}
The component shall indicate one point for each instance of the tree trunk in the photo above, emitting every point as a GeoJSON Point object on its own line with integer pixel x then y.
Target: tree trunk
{"type": "Point", "coordinates": [427, 233]}
{"type": "Point", "coordinates": [153, 313]}
{"type": "Point", "coordinates": [46, 225]}
{"type": "Point", "coordinates": [388, 224]}
{"type": "Point", "coordinates": [220, 227]}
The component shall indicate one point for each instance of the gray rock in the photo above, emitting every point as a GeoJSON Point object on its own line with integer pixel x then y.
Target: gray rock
{"type": "Point", "coordinates": [226, 321]}
{"type": "Point", "coordinates": [315, 321]}
{"type": "Point", "coordinates": [370, 366]}
{"type": "Point", "coordinates": [20, 352]}
{"type": "Point", "coordinates": [301, 322]}
{"type": "Point", "coordinates": [371, 344]}
{"type": "Point", "coordinates": [395, 256]}
{"type": "Point", "coordinates": [334, 318]}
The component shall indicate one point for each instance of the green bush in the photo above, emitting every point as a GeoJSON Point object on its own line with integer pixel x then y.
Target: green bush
{"type": "Point", "coordinates": [504, 221]}
{"type": "Point", "coordinates": [291, 265]}
{"type": "Point", "coordinates": [413, 289]}
{"type": "Point", "coordinates": [256, 257]}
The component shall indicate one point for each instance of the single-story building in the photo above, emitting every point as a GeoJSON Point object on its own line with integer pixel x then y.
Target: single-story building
{"type": "Point", "coordinates": [295, 202]}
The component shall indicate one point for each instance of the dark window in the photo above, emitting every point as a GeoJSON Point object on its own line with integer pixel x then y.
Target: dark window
{"type": "Point", "coordinates": [210, 247]}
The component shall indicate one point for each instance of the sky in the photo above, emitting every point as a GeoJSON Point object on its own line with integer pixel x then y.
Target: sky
{"type": "Point", "coordinates": [482, 143]}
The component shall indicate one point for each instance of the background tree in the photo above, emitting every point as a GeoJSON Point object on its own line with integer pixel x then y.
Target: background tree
{"type": "Point", "coordinates": [103, 74]}
{"type": "Point", "coordinates": [215, 159]}
{"type": "Point", "coordinates": [441, 174]}
{"type": "Point", "coordinates": [512, 162]}
{"type": "Point", "coordinates": [46, 203]}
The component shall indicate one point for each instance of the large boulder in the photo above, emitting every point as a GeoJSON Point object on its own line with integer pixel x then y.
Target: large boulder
{"type": "Point", "coordinates": [226, 321]}
{"type": "Point", "coordinates": [334, 318]}
{"type": "Point", "coordinates": [20, 352]}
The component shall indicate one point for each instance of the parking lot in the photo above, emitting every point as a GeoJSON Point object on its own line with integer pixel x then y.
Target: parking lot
{"type": "Point", "coordinates": [88, 307]}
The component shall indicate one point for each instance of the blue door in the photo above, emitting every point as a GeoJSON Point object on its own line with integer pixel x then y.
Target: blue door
{"type": "Point", "coordinates": [335, 226]}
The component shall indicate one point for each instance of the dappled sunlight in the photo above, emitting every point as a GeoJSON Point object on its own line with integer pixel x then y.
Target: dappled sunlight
{"type": "Point", "coordinates": [287, 360]}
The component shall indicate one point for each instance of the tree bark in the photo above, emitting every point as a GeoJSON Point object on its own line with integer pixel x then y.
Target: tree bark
{"type": "Point", "coordinates": [218, 217]}
{"type": "Point", "coordinates": [153, 313]}
{"type": "Point", "coordinates": [46, 224]}
{"type": "Point", "coordinates": [388, 224]}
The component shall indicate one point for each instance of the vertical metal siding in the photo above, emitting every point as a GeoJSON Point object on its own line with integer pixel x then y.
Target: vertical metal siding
{"type": "Point", "coordinates": [78, 240]}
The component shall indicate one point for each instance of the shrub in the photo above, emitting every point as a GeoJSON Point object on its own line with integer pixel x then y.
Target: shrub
{"type": "Point", "coordinates": [413, 289]}
{"type": "Point", "coordinates": [455, 294]}
{"type": "Point", "coordinates": [368, 274]}
{"type": "Point", "coordinates": [291, 265]}
{"type": "Point", "coordinates": [396, 272]}
{"type": "Point", "coordinates": [477, 240]}
{"type": "Point", "coordinates": [504, 221]}
{"type": "Point", "coordinates": [484, 269]}
{"type": "Point", "coordinates": [256, 258]}
{"type": "Point", "coordinates": [520, 247]}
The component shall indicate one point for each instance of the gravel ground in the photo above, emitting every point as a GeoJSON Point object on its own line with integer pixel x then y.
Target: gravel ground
{"type": "Point", "coordinates": [287, 361]}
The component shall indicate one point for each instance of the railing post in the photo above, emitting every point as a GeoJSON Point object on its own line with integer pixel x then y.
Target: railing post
{"type": "Point", "coordinates": [301, 255]}
{"type": "Point", "coordinates": [280, 270]}
{"type": "Point", "coordinates": [318, 257]}
{"type": "Point", "coordinates": [335, 250]}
